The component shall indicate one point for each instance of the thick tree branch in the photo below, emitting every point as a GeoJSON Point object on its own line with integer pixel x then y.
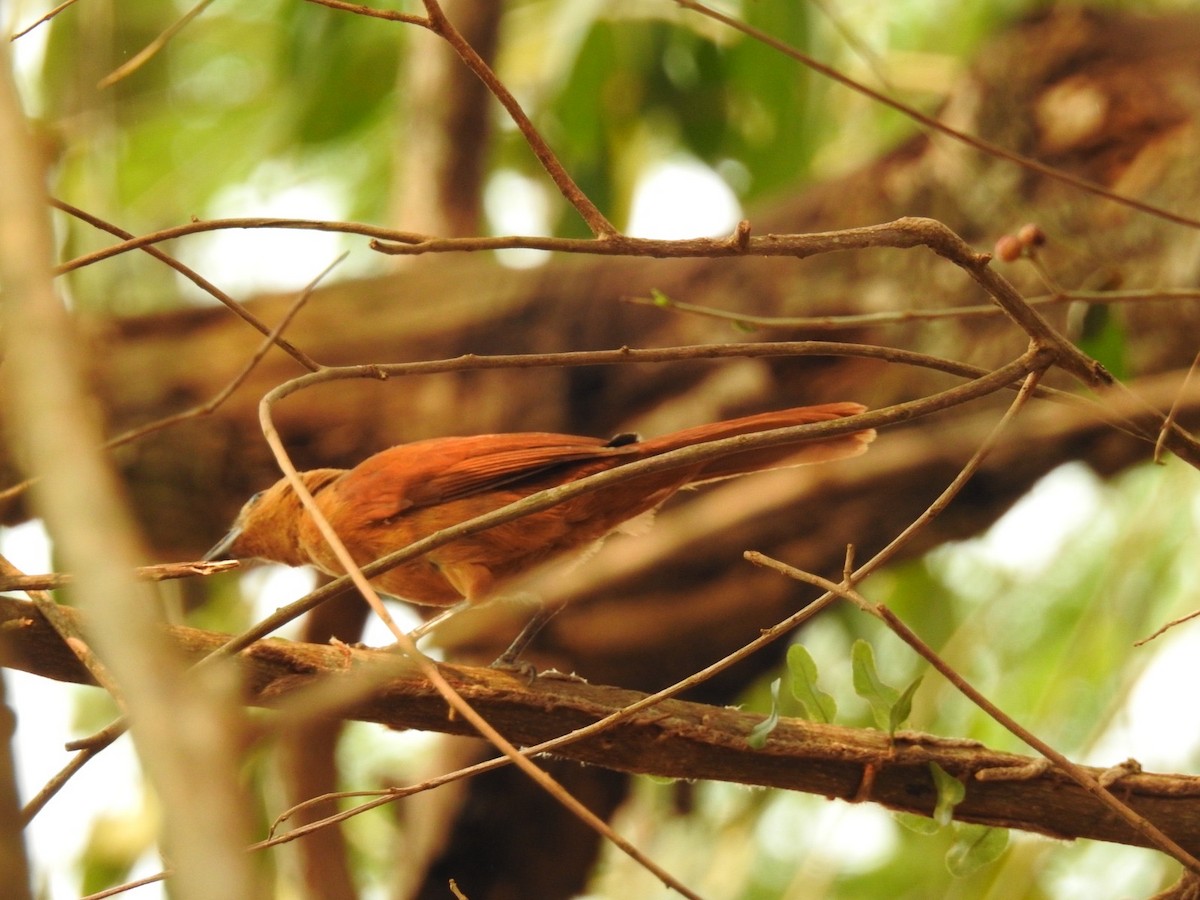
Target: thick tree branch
{"type": "Point", "coordinates": [675, 739]}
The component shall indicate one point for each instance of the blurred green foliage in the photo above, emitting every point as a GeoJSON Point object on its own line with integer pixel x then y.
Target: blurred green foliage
{"type": "Point", "coordinates": [251, 100]}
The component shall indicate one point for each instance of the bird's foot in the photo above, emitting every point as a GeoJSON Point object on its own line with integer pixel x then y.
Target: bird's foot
{"type": "Point", "coordinates": [527, 670]}
{"type": "Point", "coordinates": [506, 662]}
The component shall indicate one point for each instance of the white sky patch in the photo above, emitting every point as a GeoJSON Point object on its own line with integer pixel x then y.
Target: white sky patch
{"type": "Point", "coordinates": [1156, 725]}
{"type": "Point", "coordinates": [1032, 533]}
{"type": "Point", "coordinates": [27, 546]}
{"type": "Point", "coordinates": [246, 260]}
{"type": "Point", "coordinates": [271, 586]}
{"type": "Point", "coordinates": [515, 204]}
{"type": "Point", "coordinates": [28, 52]}
{"type": "Point", "coordinates": [849, 838]}
{"type": "Point", "coordinates": [682, 198]}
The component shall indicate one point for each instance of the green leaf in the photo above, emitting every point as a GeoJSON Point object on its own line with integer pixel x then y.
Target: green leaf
{"type": "Point", "coordinates": [902, 708]}
{"type": "Point", "coordinates": [658, 298]}
{"type": "Point", "coordinates": [868, 685]}
{"type": "Point", "coordinates": [1103, 339]}
{"type": "Point", "coordinates": [917, 824]}
{"type": "Point", "coordinates": [758, 735]}
{"type": "Point", "coordinates": [974, 847]}
{"type": "Point", "coordinates": [817, 705]}
{"type": "Point", "coordinates": [950, 793]}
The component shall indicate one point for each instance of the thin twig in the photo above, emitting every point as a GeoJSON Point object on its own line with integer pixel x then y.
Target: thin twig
{"type": "Point", "coordinates": [440, 25]}
{"type": "Point", "coordinates": [148, 52]}
{"type": "Point", "coordinates": [927, 121]}
{"type": "Point", "coordinates": [238, 309]}
{"type": "Point", "coordinates": [1168, 425]}
{"type": "Point", "coordinates": [371, 12]}
{"type": "Point", "coordinates": [902, 316]}
{"type": "Point", "coordinates": [1167, 627]}
{"type": "Point", "coordinates": [161, 572]}
{"type": "Point", "coordinates": [46, 18]}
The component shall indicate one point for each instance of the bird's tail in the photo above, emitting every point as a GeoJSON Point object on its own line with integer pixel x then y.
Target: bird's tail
{"type": "Point", "coordinates": [740, 462]}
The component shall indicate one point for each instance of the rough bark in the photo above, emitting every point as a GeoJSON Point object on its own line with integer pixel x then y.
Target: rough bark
{"type": "Point", "coordinates": [673, 739]}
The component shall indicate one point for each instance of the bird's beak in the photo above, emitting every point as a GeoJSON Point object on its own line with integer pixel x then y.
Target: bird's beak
{"type": "Point", "coordinates": [221, 550]}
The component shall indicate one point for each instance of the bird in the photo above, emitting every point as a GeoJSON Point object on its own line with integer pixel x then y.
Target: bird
{"type": "Point", "coordinates": [407, 492]}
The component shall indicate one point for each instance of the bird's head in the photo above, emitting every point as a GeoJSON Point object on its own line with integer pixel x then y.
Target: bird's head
{"type": "Point", "coordinates": [268, 525]}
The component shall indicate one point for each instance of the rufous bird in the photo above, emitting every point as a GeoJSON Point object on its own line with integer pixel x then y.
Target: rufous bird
{"type": "Point", "coordinates": [408, 492]}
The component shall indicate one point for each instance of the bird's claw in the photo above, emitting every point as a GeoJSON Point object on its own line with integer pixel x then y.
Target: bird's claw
{"type": "Point", "coordinates": [519, 667]}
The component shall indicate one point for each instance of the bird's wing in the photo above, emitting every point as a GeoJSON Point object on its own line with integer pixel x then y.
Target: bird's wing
{"type": "Point", "coordinates": [426, 473]}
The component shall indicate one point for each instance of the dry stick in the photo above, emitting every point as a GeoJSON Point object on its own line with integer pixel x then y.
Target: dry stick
{"type": "Point", "coordinates": [238, 309]}
{"type": "Point", "coordinates": [898, 317]}
{"type": "Point", "coordinates": [440, 25]}
{"type": "Point", "coordinates": [89, 747]}
{"type": "Point", "coordinates": [437, 23]}
{"type": "Point", "coordinates": [1075, 772]}
{"type": "Point", "coordinates": [130, 885]}
{"type": "Point", "coordinates": [148, 52]}
{"type": "Point", "coordinates": [430, 669]}
{"type": "Point", "coordinates": [161, 572]}
{"type": "Point", "coordinates": [1169, 422]}
{"type": "Point", "coordinates": [202, 226]}
{"type": "Point", "coordinates": [1167, 627]}
{"type": "Point", "coordinates": [373, 13]}
{"type": "Point", "coordinates": [930, 122]}
{"type": "Point", "coordinates": [899, 234]}
{"type": "Point", "coordinates": [46, 18]}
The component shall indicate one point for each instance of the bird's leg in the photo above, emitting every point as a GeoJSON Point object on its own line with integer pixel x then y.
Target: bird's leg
{"type": "Point", "coordinates": [509, 659]}
{"type": "Point", "coordinates": [427, 626]}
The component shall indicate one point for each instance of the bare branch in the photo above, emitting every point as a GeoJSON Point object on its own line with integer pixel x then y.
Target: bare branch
{"type": "Point", "coordinates": [677, 738]}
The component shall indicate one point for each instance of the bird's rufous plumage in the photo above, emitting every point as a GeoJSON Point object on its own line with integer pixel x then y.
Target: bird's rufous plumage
{"type": "Point", "coordinates": [408, 492]}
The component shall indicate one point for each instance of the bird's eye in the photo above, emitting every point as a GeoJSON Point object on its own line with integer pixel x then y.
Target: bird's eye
{"type": "Point", "coordinates": [624, 439]}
